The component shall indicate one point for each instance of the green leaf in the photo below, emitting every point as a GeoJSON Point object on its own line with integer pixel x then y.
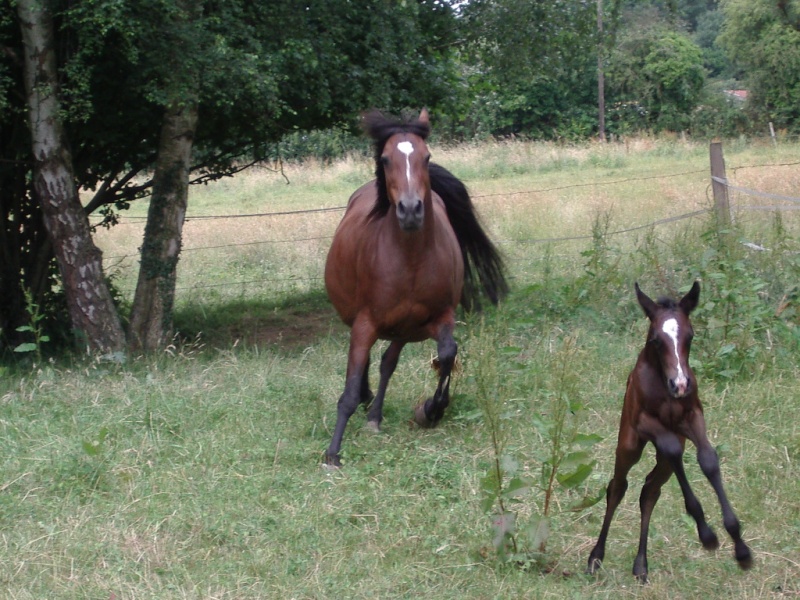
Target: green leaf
{"type": "Point", "coordinates": [585, 440]}
{"type": "Point", "coordinates": [538, 534]}
{"type": "Point", "coordinates": [503, 527]}
{"type": "Point", "coordinates": [577, 477]}
{"type": "Point", "coordinates": [588, 501]}
{"type": "Point", "coordinates": [24, 328]}
{"type": "Point", "coordinates": [516, 487]}
{"type": "Point", "coordinates": [26, 347]}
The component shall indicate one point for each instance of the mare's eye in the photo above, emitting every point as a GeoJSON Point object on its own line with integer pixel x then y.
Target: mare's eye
{"type": "Point", "coordinates": [655, 341]}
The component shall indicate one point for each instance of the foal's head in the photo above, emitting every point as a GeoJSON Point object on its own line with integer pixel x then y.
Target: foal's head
{"type": "Point", "coordinates": [401, 159]}
{"type": "Point", "coordinates": [669, 338]}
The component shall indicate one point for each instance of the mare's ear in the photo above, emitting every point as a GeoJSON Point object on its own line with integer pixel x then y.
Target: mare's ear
{"type": "Point", "coordinates": [689, 302]}
{"type": "Point", "coordinates": [423, 117]}
{"type": "Point", "coordinates": [645, 302]}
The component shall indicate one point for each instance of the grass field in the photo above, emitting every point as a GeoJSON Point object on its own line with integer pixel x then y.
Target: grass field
{"type": "Point", "coordinates": [196, 473]}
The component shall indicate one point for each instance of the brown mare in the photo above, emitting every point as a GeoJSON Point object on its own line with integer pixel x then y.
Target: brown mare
{"type": "Point", "coordinates": [661, 406]}
{"type": "Point", "coordinates": [408, 249]}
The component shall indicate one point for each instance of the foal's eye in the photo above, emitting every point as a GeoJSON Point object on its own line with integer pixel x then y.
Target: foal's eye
{"type": "Point", "coordinates": [428, 159]}
{"type": "Point", "coordinates": [385, 161]}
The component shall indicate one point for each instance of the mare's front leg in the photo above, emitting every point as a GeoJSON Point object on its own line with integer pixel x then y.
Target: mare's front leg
{"type": "Point", "coordinates": [362, 337]}
{"type": "Point", "coordinates": [709, 464]}
{"type": "Point", "coordinates": [388, 365]}
{"type": "Point", "coordinates": [430, 412]}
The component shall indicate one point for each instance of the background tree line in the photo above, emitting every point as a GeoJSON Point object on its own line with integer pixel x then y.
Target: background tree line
{"type": "Point", "coordinates": [134, 101]}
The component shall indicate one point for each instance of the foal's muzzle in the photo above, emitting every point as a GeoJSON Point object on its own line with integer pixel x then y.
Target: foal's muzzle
{"type": "Point", "coordinates": [679, 386]}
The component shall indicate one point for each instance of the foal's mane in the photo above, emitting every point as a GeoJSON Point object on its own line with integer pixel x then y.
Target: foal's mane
{"type": "Point", "coordinates": [666, 302]}
{"type": "Point", "coordinates": [380, 128]}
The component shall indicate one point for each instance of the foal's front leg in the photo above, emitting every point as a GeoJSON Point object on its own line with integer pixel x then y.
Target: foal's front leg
{"type": "Point", "coordinates": [651, 492]}
{"type": "Point", "coordinates": [629, 451]}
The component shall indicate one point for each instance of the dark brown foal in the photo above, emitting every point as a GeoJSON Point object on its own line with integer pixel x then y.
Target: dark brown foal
{"type": "Point", "coordinates": [661, 406]}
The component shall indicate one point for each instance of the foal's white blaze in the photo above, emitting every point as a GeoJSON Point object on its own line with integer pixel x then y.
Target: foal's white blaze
{"type": "Point", "coordinates": [670, 327]}
{"type": "Point", "coordinates": [407, 148]}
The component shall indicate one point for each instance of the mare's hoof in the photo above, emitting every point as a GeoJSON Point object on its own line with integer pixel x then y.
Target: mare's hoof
{"type": "Point", "coordinates": [421, 419]}
{"type": "Point", "coordinates": [744, 557]}
{"type": "Point", "coordinates": [373, 427]}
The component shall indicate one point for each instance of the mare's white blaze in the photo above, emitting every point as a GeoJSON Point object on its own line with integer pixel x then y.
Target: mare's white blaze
{"type": "Point", "coordinates": [407, 148]}
{"type": "Point", "coordinates": [670, 327]}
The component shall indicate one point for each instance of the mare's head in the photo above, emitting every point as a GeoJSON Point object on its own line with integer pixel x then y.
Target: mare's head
{"type": "Point", "coordinates": [401, 163]}
{"type": "Point", "coordinates": [669, 338]}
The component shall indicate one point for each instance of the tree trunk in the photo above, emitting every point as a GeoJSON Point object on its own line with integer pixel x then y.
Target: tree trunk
{"type": "Point", "coordinates": [151, 316]}
{"type": "Point", "coordinates": [92, 312]}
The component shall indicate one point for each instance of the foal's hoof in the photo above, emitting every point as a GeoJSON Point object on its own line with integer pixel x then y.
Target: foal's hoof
{"type": "Point", "coordinates": [331, 462]}
{"type": "Point", "coordinates": [421, 419]}
{"type": "Point", "coordinates": [593, 566]}
{"type": "Point", "coordinates": [709, 539]}
{"type": "Point", "coordinates": [373, 427]}
{"type": "Point", "coordinates": [743, 556]}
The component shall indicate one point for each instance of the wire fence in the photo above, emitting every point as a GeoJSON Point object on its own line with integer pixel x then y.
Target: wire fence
{"type": "Point", "coordinates": [789, 203]}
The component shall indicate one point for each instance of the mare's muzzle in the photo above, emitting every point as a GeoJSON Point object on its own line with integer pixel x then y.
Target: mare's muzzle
{"type": "Point", "coordinates": [410, 213]}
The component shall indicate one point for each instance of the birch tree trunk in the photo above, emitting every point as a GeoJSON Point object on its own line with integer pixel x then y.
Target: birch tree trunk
{"type": "Point", "coordinates": [94, 317]}
{"type": "Point", "coordinates": [151, 316]}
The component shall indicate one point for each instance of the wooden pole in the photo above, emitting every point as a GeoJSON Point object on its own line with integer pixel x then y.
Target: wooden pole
{"type": "Point", "coordinates": [719, 186]}
{"type": "Point", "coordinates": [601, 85]}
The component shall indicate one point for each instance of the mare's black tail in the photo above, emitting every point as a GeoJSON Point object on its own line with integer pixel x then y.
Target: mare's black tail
{"type": "Point", "coordinates": [484, 271]}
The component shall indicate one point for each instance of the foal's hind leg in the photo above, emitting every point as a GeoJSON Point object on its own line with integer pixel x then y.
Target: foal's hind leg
{"type": "Point", "coordinates": [671, 446]}
{"type": "Point", "coordinates": [651, 491]}
{"type": "Point", "coordinates": [388, 365]}
{"type": "Point", "coordinates": [709, 463]}
{"type": "Point", "coordinates": [429, 413]}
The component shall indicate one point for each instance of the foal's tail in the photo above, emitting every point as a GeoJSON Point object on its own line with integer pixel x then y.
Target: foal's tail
{"type": "Point", "coordinates": [484, 271]}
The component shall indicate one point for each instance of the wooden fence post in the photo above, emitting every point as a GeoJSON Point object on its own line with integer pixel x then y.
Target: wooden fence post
{"type": "Point", "coordinates": [721, 204]}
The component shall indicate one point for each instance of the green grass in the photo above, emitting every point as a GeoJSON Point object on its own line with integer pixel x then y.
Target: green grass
{"type": "Point", "coordinates": [197, 473]}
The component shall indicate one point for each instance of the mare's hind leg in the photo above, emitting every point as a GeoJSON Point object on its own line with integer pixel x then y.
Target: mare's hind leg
{"type": "Point", "coordinates": [388, 365]}
{"type": "Point", "coordinates": [366, 394]}
{"type": "Point", "coordinates": [651, 491]}
{"type": "Point", "coordinates": [629, 451]}
{"type": "Point", "coordinates": [709, 463]}
{"type": "Point", "coordinates": [429, 413]}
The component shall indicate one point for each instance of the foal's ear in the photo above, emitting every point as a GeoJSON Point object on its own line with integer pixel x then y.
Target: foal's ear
{"type": "Point", "coordinates": [645, 302]}
{"type": "Point", "coordinates": [689, 302]}
{"type": "Point", "coordinates": [423, 117]}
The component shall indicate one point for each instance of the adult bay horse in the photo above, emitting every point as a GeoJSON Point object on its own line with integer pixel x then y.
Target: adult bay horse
{"type": "Point", "coordinates": [408, 249]}
{"type": "Point", "coordinates": [662, 406]}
